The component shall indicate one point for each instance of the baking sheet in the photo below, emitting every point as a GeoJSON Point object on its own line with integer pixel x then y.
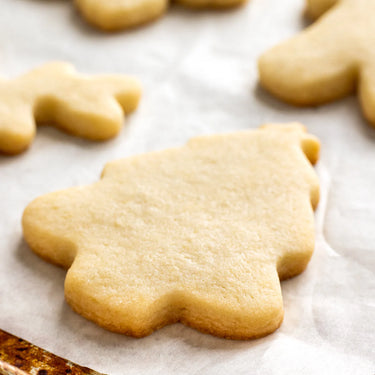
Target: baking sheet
{"type": "Point", "coordinates": [198, 71]}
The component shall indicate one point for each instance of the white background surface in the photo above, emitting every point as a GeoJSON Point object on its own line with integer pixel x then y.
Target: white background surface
{"type": "Point", "coordinates": [198, 71]}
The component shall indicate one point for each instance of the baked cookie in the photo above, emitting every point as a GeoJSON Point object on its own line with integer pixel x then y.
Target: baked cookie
{"type": "Point", "coordinates": [315, 8]}
{"type": "Point", "coordinates": [113, 15]}
{"type": "Point", "coordinates": [54, 93]}
{"type": "Point", "coordinates": [330, 59]}
{"type": "Point", "coordinates": [199, 234]}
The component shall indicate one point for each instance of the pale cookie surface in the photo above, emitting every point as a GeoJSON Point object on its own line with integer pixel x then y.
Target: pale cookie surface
{"type": "Point", "coordinates": [121, 14]}
{"type": "Point", "coordinates": [89, 107]}
{"type": "Point", "coordinates": [330, 59]}
{"type": "Point", "coordinates": [199, 234]}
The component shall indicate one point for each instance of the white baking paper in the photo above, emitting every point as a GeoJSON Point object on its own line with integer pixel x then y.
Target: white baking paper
{"type": "Point", "coordinates": [198, 70]}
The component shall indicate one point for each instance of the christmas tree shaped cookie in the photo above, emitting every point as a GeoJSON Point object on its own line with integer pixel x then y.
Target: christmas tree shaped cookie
{"type": "Point", "coordinates": [199, 234]}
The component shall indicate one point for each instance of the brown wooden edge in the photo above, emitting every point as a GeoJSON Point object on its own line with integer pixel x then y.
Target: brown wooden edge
{"type": "Point", "coordinates": [19, 357]}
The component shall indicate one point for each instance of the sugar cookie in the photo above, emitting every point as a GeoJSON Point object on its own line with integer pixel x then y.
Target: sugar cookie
{"type": "Point", "coordinates": [315, 8]}
{"type": "Point", "coordinates": [121, 14]}
{"type": "Point", "coordinates": [330, 59]}
{"type": "Point", "coordinates": [199, 234]}
{"type": "Point", "coordinates": [54, 93]}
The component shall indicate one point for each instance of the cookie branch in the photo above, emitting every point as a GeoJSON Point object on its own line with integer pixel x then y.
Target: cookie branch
{"type": "Point", "coordinates": [89, 107]}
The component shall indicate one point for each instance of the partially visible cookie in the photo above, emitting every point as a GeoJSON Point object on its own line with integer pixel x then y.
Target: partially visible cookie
{"type": "Point", "coordinates": [113, 15]}
{"type": "Point", "coordinates": [89, 107]}
{"type": "Point", "coordinates": [199, 234]}
{"type": "Point", "coordinates": [330, 59]}
{"type": "Point", "coordinates": [315, 8]}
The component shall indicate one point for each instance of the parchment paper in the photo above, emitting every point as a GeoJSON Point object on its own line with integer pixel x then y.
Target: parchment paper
{"type": "Point", "coordinates": [198, 71]}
